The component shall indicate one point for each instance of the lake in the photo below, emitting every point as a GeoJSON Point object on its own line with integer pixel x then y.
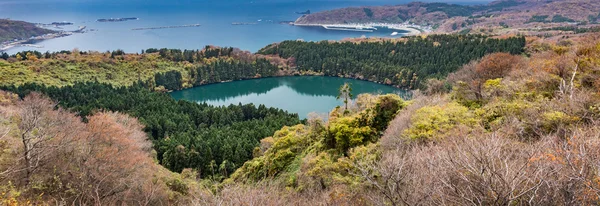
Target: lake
{"type": "Point", "coordinates": [297, 94]}
{"type": "Point", "coordinates": [215, 16]}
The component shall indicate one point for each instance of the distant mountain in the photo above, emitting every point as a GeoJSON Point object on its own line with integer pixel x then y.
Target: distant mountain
{"type": "Point", "coordinates": [453, 17]}
{"type": "Point", "coordinates": [10, 29]}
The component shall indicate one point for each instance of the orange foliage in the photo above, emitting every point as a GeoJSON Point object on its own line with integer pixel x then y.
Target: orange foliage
{"type": "Point", "coordinates": [106, 161]}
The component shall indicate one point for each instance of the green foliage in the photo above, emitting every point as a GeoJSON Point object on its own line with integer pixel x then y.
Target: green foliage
{"type": "Point", "coordinates": [345, 93]}
{"type": "Point", "coordinates": [593, 18]}
{"type": "Point", "coordinates": [561, 19]}
{"type": "Point", "coordinates": [304, 156]}
{"type": "Point", "coordinates": [575, 29]}
{"type": "Point", "coordinates": [554, 120]}
{"type": "Point", "coordinates": [171, 80]}
{"type": "Point", "coordinates": [185, 134]}
{"type": "Point", "coordinates": [500, 5]}
{"type": "Point", "coordinates": [406, 64]}
{"type": "Point", "coordinates": [227, 70]}
{"type": "Point", "coordinates": [494, 113]}
{"type": "Point", "coordinates": [368, 12]}
{"type": "Point", "coordinates": [346, 133]}
{"type": "Point", "coordinates": [452, 10]}
{"type": "Point", "coordinates": [191, 56]}
{"type": "Point", "coordinates": [386, 109]}
{"type": "Point", "coordinates": [290, 143]}
{"type": "Point", "coordinates": [538, 18]}
{"type": "Point", "coordinates": [171, 69]}
{"type": "Point", "coordinates": [177, 185]}
{"type": "Point", "coordinates": [434, 121]}
{"type": "Point", "coordinates": [66, 68]}
{"type": "Point", "coordinates": [464, 31]}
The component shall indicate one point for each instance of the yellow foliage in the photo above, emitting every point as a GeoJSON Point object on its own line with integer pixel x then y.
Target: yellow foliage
{"type": "Point", "coordinates": [432, 122]}
{"type": "Point", "coordinates": [69, 69]}
{"type": "Point", "coordinates": [554, 119]}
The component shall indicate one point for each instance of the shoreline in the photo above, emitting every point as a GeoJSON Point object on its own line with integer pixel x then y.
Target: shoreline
{"type": "Point", "coordinates": [297, 74]}
{"type": "Point", "coordinates": [412, 29]}
{"type": "Point", "coordinates": [31, 42]}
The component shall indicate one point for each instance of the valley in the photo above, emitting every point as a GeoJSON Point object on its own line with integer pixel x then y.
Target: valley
{"type": "Point", "coordinates": [495, 104]}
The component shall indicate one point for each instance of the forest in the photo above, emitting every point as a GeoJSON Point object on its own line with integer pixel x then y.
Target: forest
{"type": "Point", "coordinates": [212, 140]}
{"type": "Point", "coordinates": [159, 69]}
{"type": "Point", "coordinates": [406, 64]}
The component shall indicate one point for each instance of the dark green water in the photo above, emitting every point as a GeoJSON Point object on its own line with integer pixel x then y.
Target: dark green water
{"type": "Point", "coordinates": [302, 94]}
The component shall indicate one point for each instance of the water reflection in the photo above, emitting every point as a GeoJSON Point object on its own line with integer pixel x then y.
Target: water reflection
{"type": "Point", "coordinates": [300, 95]}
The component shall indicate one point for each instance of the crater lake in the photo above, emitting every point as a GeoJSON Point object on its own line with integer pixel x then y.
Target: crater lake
{"type": "Point", "coordinates": [296, 94]}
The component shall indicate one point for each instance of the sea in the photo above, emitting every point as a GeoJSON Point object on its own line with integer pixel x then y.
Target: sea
{"type": "Point", "coordinates": [214, 16]}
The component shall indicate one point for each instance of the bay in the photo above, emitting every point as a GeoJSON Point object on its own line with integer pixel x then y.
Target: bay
{"type": "Point", "coordinates": [296, 94]}
{"type": "Point", "coordinates": [215, 16]}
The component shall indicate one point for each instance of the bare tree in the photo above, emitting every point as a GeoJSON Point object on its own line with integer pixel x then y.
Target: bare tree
{"type": "Point", "coordinates": [397, 177]}
{"type": "Point", "coordinates": [488, 171]}
{"type": "Point", "coordinates": [42, 130]}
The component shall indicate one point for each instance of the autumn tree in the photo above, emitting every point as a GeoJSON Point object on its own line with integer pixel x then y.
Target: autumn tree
{"type": "Point", "coordinates": [473, 76]}
{"type": "Point", "coordinates": [42, 130]}
{"type": "Point", "coordinates": [112, 157]}
{"type": "Point", "coordinates": [50, 155]}
{"type": "Point", "coordinates": [31, 56]}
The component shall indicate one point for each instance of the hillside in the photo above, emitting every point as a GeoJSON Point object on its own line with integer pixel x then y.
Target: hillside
{"type": "Point", "coordinates": [497, 15]}
{"type": "Point", "coordinates": [513, 130]}
{"type": "Point", "coordinates": [158, 69]}
{"type": "Point", "coordinates": [495, 128]}
{"type": "Point", "coordinates": [388, 62]}
{"type": "Point", "coordinates": [10, 30]}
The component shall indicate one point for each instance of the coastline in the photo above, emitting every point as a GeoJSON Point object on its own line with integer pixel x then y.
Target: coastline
{"type": "Point", "coordinates": [30, 42]}
{"type": "Point", "coordinates": [412, 29]}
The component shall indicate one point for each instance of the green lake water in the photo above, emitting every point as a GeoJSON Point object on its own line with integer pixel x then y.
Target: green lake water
{"type": "Point", "coordinates": [299, 94]}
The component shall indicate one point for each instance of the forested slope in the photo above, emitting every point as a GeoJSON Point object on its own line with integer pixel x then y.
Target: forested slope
{"type": "Point", "coordinates": [49, 156]}
{"type": "Point", "coordinates": [158, 69]}
{"type": "Point", "coordinates": [512, 130]}
{"type": "Point", "coordinates": [212, 140]}
{"type": "Point", "coordinates": [406, 64]}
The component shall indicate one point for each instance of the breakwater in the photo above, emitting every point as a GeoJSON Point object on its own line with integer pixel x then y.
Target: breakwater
{"type": "Point", "coordinates": [117, 19]}
{"type": "Point", "coordinates": [167, 27]}
{"type": "Point", "coordinates": [243, 23]}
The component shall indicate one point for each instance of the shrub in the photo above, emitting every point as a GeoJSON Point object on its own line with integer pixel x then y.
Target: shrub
{"type": "Point", "coordinates": [432, 122]}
